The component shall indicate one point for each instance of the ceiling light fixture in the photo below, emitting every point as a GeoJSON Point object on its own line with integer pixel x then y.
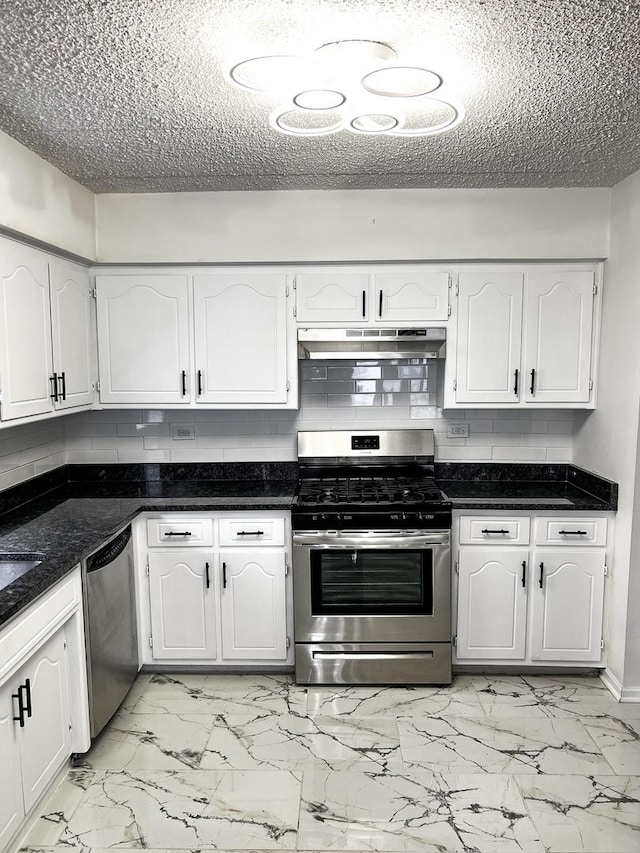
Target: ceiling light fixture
{"type": "Point", "coordinates": [356, 85]}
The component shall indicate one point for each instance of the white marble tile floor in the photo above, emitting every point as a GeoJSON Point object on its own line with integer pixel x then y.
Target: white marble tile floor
{"type": "Point", "coordinates": [504, 764]}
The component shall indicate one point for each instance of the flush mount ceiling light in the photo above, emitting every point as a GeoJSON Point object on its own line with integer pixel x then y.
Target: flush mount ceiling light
{"type": "Point", "coordinates": [356, 85]}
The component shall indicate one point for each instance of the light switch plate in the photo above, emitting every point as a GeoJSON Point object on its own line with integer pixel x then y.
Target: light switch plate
{"type": "Point", "coordinates": [458, 431]}
{"type": "Point", "coordinates": [182, 432]}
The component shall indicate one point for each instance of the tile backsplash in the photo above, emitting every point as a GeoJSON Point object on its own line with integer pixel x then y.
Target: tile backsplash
{"type": "Point", "coordinates": [334, 395]}
{"type": "Point", "coordinates": [29, 450]}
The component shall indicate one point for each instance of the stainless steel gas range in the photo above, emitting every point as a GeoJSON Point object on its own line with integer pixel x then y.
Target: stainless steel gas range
{"type": "Point", "coordinates": [371, 560]}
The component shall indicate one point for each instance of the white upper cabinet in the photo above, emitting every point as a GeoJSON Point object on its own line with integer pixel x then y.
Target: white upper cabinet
{"type": "Point", "coordinates": [216, 338]}
{"type": "Point", "coordinates": [71, 325]}
{"type": "Point", "coordinates": [489, 337]}
{"type": "Point", "coordinates": [414, 295]}
{"type": "Point", "coordinates": [25, 332]}
{"type": "Point", "coordinates": [241, 337]}
{"type": "Point", "coordinates": [332, 296]}
{"type": "Point", "coordinates": [522, 338]}
{"type": "Point", "coordinates": [409, 294]}
{"type": "Point", "coordinates": [143, 338]}
{"type": "Point", "coordinates": [46, 333]}
{"type": "Point", "coordinates": [557, 337]}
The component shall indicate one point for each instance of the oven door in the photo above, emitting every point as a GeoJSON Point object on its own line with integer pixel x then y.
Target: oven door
{"type": "Point", "coordinates": [364, 587]}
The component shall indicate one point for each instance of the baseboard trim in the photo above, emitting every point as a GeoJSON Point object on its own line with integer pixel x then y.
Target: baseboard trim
{"type": "Point", "coordinates": [611, 683]}
{"type": "Point", "coordinates": [630, 694]}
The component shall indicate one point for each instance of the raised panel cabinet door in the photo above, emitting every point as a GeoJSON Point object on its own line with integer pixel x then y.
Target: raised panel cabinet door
{"type": "Point", "coordinates": [414, 296]}
{"type": "Point", "coordinates": [492, 603]}
{"type": "Point", "coordinates": [568, 592]}
{"type": "Point", "coordinates": [333, 297]}
{"type": "Point", "coordinates": [45, 740]}
{"type": "Point", "coordinates": [253, 604]}
{"type": "Point", "coordinates": [25, 332]}
{"type": "Point", "coordinates": [182, 603]}
{"type": "Point", "coordinates": [143, 338]}
{"type": "Point", "coordinates": [241, 338]}
{"type": "Point", "coordinates": [11, 802]}
{"type": "Point", "coordinates": [557, 336]}
{"type": "Point", "coordinates": [489, 337]}
{"type": "Point", "coordinates": [71, 330]}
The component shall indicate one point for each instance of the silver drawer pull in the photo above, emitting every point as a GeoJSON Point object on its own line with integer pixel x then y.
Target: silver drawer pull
{"type": "Point", "coordinates": [250, 533]}
{"type": "Point", "coordinates": [178, 533]}
{"type": "Point", "coordinates": [572, 532]}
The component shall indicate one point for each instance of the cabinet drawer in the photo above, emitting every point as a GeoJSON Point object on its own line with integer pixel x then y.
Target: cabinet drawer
{"type": "Point", "coordinates": [163, 532]}
{"type": "Point", "coordinates": [495, 530]}
{"type": "Point", "coordinates": [251, 531]}
{"type": "Point", "coordinates": [571, 531]}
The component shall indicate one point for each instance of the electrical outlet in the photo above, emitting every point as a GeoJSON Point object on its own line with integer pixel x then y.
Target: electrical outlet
{"type": "Point", "coordinates": [458, 431]}
{"type": "Point", "coordinates": [182, 432]}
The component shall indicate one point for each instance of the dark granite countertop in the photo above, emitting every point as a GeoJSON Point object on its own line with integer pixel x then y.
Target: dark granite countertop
{"type": "Point", "coordinates": [70, 512]}
{"type": "Point", "coordinates": [520, 495]}
{"type": "Point", "coordinates": [71, 530]}
{"type": "Point", "coordinates": [525, 487]}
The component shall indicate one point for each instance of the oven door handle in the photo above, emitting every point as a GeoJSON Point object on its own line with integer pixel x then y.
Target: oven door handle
{"type": "Point", "coordinates": [395, 539]}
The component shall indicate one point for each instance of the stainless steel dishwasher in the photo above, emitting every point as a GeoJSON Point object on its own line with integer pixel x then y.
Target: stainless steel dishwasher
{"type": "Point", "coordinates": [111, 634]}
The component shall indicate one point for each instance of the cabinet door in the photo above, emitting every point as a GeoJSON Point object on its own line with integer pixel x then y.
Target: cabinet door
{"type": "Point", "coordinates": [143, 338]}
{"type": "Point", "coordinates": [11, 803]}
{"type": "Point", "coordinates": [253, 604]}
{"type": "Point", "coordinates": [414, 296]}
{"type": "Point", "coordinates": [25, 332]}
{"type": "Point", "coordinates": [557, 337]}
{"type": "Point", "coordinates": [492, 603]}
{"type": "Point", "coordinates": [241, 337]}
{"type": "Point", "coordinates": [45, 740]}
{"type": "Point", "coordinates": [567, 608]}
{"type": "Point", "coordinates": [72, 337]}
{"type": "Point", "coordinates": [182, 605]}
{"type": "Point", "coordinates": [333, 297]}
{"type": "Point", "coordinates": [488, 337]}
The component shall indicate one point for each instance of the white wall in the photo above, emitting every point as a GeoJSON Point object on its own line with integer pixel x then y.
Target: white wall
{"type": "Point", "coordinates": [354, 225]}
{"type": "Point", "coordinates": [39, 200]}
{"type": "Point", "coordinates": [606, 440]}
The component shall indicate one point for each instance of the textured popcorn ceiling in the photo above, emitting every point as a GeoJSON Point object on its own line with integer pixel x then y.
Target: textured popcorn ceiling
{"type": "Point", "coordinates": [129, 95]}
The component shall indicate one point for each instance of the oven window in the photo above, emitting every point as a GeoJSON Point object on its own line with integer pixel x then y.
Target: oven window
{"type": "Point", "coordinates": [372, 582]}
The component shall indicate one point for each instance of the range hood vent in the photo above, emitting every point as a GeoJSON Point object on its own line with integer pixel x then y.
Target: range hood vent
{"type": "Point", "coordinates": [371, 343]}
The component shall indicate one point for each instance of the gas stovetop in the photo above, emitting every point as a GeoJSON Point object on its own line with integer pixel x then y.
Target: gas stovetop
{"type": "Point", "coordinates": [368, 480]}
{"type": "Point", "coordinates": [354, 491]}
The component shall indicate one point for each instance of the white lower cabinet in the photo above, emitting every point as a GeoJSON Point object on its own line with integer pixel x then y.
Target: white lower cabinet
{"type": "Point", "coordinates": [253, 604]}
{"type": "Point", "coordinates": [530, 604]}
{"type": "Point", "coordinates": [44, 710]}
{"type": "Point", "coordinates": [228, 602]}
{"type": "Point", "coordinates": [567, 601]}
{"type": "Point", "coordinates": [492, 603]}
{"type": "Point", "coordinates": [183, 612]}
{"type": "Point", "coordinates": [35, 731]}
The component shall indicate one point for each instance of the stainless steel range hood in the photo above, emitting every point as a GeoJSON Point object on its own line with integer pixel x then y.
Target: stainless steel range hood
{"type": "Point", "coordinates": [370, 343]}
